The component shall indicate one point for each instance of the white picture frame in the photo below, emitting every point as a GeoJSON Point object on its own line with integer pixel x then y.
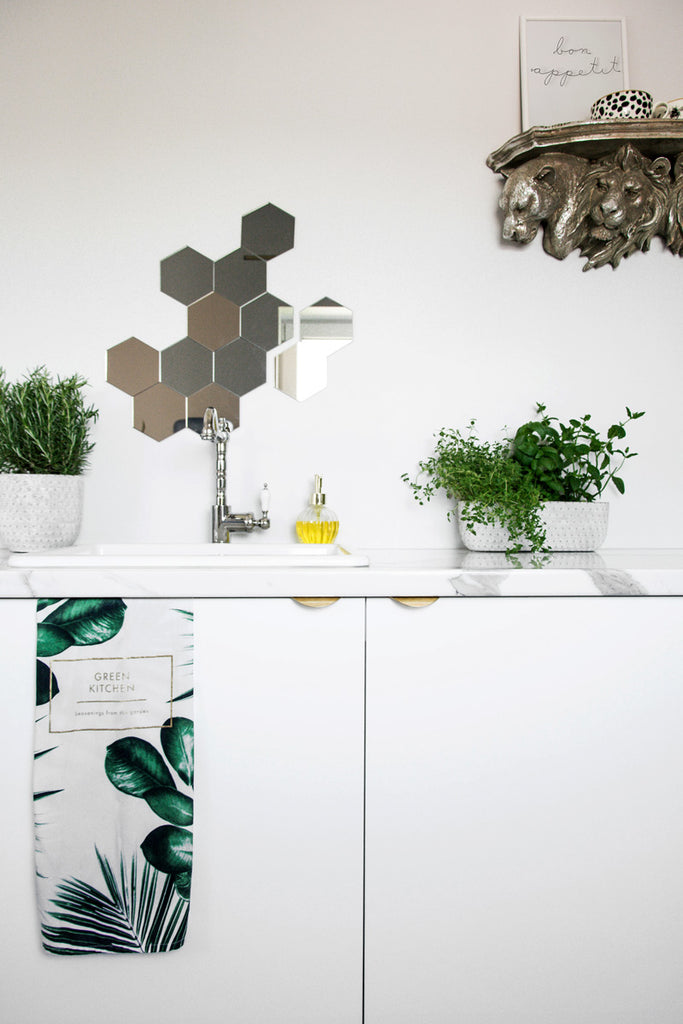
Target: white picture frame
{"type": "Point", "coordinates": [568, 63]}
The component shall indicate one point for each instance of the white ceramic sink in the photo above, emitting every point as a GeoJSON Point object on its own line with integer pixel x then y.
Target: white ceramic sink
{"type": "Point", "coordinates": [225, 556]}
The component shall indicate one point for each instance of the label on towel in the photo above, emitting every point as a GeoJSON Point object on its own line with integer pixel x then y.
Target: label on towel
{"type": "Point", "coordinates": [111, 693]}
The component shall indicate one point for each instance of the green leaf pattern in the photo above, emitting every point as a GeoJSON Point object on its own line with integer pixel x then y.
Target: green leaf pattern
{"type": "Point", "coordinates": [46, 681]}
{"type": "Point", "coordinates": [178, 745]}
{"type": "Point", "coordinates": [140, 912]}
{"type": "Point", "coordinates": [139, 908]}
{"type": "Point", "coordinates": [136, 768]}
{"type": "Point", "coordinates": [169, 849]}
{"type": "Point", "coordinates": [52, 640]}
{"type": "Point", "coordinates": [171, 805]}
{"type": "Point", "coordinates": [86, 621]}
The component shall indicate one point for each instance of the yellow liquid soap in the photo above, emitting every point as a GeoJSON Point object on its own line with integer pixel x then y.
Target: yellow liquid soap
{"type": "Point", "coordinates": [317, 531]}
{"type": "Point", "coordinates": [317, 524]}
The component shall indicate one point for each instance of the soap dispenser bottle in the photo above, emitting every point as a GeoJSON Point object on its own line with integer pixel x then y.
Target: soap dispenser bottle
{"type": "Point", "coordinates": [317, 524]}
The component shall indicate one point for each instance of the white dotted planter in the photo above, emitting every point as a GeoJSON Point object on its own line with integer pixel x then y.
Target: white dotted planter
{"type": "Point", "coordinates": [570, 526]}
{"type": "Point", "coordinates": [41, 510]}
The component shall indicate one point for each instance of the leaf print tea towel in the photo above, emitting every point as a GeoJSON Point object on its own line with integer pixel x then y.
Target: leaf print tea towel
{"type": "Point", "coordinates": [113, 774]}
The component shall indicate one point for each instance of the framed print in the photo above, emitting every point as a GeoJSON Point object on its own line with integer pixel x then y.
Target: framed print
{"type": "Point", "coordinates": [566, 64]}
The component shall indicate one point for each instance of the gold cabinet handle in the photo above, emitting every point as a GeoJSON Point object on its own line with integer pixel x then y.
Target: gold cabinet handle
{"type": "Point", "coordinates": [415, 602]}
{"type": "Point", "coordinates": [315, 602]}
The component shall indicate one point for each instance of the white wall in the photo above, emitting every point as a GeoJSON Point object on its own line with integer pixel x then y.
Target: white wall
{"type": "Point", "coordinates": [131, 128]}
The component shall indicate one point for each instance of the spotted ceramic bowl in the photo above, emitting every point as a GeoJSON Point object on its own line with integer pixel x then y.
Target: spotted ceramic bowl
{"type": "Point", "coordinates": [624, 103]}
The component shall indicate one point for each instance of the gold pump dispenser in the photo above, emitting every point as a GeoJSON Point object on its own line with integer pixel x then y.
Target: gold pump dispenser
{"type": "Point", "coordinates": [317, 524]}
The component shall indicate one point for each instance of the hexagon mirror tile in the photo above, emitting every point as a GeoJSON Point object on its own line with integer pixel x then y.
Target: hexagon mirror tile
{"type": "Point", "coordinates": [159, 412]}
{"type": "Point", "coordinates": [240, 276]}
{"type": "Point", "coordinates": [268, 321]}
{"type": "Point", "coordinates": [186, 366]}
{"type": "Point", "coordinates": [132, 366]}
{"type": "Point", "coordinates": [240, 366]}
{"type": "Point", "coordinates": [213, 321]}
{"type": "Point", "coordinates": [268, 232]}
{"type": "Point", "coordinates": [187, 275]}
{"type": "Point", "coordinates": [226, 404]}
{"type": "Point", "coordinates": [232, 322]}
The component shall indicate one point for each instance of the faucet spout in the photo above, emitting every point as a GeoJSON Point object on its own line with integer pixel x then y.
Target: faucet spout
{"type": "Point", "coordinates": [214, 427]}
{"type": "Point", "coordinates": [208, 424]}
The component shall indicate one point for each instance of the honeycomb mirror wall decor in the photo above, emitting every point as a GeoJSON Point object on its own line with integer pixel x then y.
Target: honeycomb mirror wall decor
{"type": "Point", "coordinates": [233, 322]}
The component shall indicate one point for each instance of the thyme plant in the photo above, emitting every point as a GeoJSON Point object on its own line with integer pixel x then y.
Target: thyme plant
{"type": "Point", "coordinates": [44, 424]}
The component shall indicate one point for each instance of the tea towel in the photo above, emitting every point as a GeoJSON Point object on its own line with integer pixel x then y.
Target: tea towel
{"type": "Point", "coordinates": [113, 774]}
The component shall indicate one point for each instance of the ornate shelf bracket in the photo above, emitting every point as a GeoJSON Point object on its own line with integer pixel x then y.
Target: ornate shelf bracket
{"type": "Point", "coordinates": [606, 188]}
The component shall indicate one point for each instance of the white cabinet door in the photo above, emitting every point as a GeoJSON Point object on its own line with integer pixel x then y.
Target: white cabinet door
{"type": "Point", "coordinates": [277, 887]}
{"type": "Point", "coordinates": [524, 850]}
{"type": "Point", "coordinates": [275, 932]}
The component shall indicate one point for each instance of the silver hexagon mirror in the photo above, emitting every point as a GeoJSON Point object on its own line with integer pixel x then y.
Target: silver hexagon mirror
{"type": "Point", "coordinates": [324, 328]}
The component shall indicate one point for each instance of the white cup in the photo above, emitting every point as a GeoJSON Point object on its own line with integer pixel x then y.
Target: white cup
{"type": "Point", "coordinates": [674, 108]}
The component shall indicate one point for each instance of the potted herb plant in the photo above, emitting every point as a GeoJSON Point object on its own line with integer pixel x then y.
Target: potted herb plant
{"type": "Point", "coordinates": [44, 448]}
{"type": "Point", "coordinates": [535, 491]}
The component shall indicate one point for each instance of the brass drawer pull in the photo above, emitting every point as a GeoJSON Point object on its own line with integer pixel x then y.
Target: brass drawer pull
{"type": "Point", "coordinates": [415, 602]}
{"type": "Point", "coordinates": [315, 602]}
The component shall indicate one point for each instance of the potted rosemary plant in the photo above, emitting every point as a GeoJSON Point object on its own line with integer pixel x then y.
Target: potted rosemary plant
{"type": "Point", "coordinates": [536, 491]}
{"type": "Point", "coordinates": [44, 448]}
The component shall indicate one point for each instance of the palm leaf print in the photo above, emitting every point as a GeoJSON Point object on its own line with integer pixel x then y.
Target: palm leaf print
{"type": "Point", "coordinates": [139, 912]}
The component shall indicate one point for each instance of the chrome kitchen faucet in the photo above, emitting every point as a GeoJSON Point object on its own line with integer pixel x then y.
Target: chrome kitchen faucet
{"type": "Point", "coordinates": [223, 521]}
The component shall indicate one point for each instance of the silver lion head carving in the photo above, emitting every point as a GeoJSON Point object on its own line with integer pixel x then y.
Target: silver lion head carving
{"type": "Point", "coordinates": [547, 191]}
{"type": "Point", "coordinates": [607, 209]}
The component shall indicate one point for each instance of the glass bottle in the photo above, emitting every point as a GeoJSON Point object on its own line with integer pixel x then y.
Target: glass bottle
{"type": "Point", "coordinates": [317, 524]}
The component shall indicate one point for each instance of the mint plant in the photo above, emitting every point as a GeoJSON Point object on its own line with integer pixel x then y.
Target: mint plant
{"type": "Point", "coordinates": [571, 462]}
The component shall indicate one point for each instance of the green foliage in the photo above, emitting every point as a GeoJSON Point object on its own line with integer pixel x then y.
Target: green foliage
{"type": "Point", "coordinates": [138, 913]}
{"type": "Point", "coordinates": [571, 462]}
{"type": "Point", "coordinates": [137, 768]}
{"type": "Point", "coordinates": [169, 849]}
{"type": "Point", "coordinates": [77, 622]}
{"type": "Point", "coordinates": [80, 622]}
{"type": "Point", "coordinates": [46, 684]}
{"type": "Point", "coordinates": [507, 482]}
{"type": "Point", "coordinates": [44, 424]}
{"type": "Point", "coordinates": [178, 746]}
{"type": "Point", "coordinates": [481, 474]}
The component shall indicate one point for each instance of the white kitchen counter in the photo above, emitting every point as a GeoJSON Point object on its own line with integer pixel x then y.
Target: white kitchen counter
{"type": "Point", "coordinates": [391, 573]}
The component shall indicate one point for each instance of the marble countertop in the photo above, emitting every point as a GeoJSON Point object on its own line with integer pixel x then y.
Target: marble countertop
{"type": "Point", "coordinates": [422, 572]}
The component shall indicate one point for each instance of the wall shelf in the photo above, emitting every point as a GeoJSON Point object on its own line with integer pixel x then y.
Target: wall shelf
{"type": "Point", "coordinates": [606, 188]}
{"type": "Point", "coordinates": [591, 139]}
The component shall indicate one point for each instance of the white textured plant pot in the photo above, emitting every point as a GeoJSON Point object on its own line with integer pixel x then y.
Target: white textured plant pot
{"type": "Point", "coordinates": [41, 510]}
{"type": "Point", "coordinates": [569, 526]}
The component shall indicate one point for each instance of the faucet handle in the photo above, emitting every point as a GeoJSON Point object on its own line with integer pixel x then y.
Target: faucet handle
{"type": "Point", "coordinates": [265, 499]}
